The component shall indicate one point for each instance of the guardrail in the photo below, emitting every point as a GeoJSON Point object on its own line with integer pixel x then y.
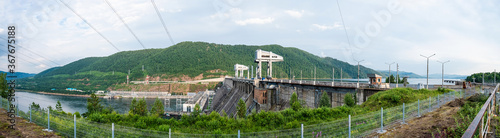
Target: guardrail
{"type": "Point", "coordinates": [323, 83]}
{"type": "Point", "coordinates": [485, 114]}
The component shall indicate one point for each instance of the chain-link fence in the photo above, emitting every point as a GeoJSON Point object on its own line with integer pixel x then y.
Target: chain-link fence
{"type": "Point", "coordinates": [356, 126]}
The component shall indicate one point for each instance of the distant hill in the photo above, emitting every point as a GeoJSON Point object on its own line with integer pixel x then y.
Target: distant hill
{"type": "Point", "coordinates": [385, 73]}
{"type": "Point", "coordinates": [19, 75]}
{"type": "Point", "coordinates": [186, 61]}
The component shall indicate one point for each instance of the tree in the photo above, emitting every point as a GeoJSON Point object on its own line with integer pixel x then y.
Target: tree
{"type": "Point", "coordinates": [58, 106]}
{"type": "Point", "coordinates": [349, 100]}
{"type": "Point", "coordinates": [3, 85]}
{"type": "Point", "coordinates": [325, 100]}
{"type": "Point", "coordinates": [133, 106]}
{"type": "Point", "coordinates": [392, 79]}
{"type": "Point", "coordinates": [242, 109]}
{"type": "Point", "coordinates": [294, 102]}
{"type": "Point", "coordinates": [157, 108]}
{"type": "Point", "coordinates": [93, 104]}
{"type": "Point", "coordinates": [142, 107]}
{"type": "Point", "coordinates": [197, 110]}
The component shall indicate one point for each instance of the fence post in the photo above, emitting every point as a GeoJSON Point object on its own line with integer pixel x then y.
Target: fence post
{"type": "Point", "coordinates": [404, 113]}
{"type": "Point", "coordinates": [74, 117]}
{"type": "Point", "coordinates": [113, 130]}
{"type": "Point", "coordinates": [48, 119]}
{"type": "Point", "coordinates": [169, 133]}
{"type": "Point", "coordinates": [381, 120]}
{"type": "Point", "coordinates": [438, 101]}
{"type": "Point", "coordinates": [30, 114]}
{"type": "Point", "coordinates": [238, 133]}
{"type": "Point", "coordinates": [349, 126]}
{"type": "Point", "coordinates": [418, 113]}
{"type": "Point", "coordinates": [301, 130]}
{"type": "Point", "coordinates": [430, 103]}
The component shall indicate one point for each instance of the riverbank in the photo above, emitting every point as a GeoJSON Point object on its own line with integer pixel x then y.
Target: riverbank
{"type": "Point", "coordinates": [60, 94]}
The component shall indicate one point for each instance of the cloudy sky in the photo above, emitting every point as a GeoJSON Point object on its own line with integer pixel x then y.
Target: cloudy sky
{"type": "Point", "coordinates": [466, 32]}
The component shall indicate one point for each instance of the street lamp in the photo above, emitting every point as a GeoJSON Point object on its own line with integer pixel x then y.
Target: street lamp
{"type": "Point", "coordinates": [358, 68]}
{"type": "Point", "coordinates": [442, 72]}
{"type": "Point", "coordinates": [427, 87]}
{"type": "Point", "coordinates": [390, 70]}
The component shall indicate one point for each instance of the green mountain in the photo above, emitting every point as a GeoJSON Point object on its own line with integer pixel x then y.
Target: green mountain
{"type": "Point", "coordinates": [19, 75]}
{"type": "Point", "coordinates": [184, 60]}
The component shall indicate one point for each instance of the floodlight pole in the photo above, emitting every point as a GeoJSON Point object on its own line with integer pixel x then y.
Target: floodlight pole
{"type": "Point", "coordinates": [427, 86]}
{"type": "Point", "coordinates": [442, 72]}
{"type": "Point", "coordinates": [358, 67]}
{"type": "Point", "coordinates": [390, 70]}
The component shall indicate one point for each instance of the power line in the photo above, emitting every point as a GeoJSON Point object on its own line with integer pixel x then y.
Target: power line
{"type": "Point", "coordinates": [343, 24]}
{"type": "Point", "coordinates": [33, 52]}
{"type": "Point", "coordinates": [21, 58]}
{"type": "Point", "coordinates": [162, 22]}
{"type": "Point", "coordinates": [109, 4]}
{"type": "Point", "coordinates": [89, 24]}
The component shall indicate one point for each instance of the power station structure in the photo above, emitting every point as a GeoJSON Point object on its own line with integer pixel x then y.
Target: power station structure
{"type": "Point", "coordinates": [266, 56]}
{"type": "Point", "coordinates": [239, 71]}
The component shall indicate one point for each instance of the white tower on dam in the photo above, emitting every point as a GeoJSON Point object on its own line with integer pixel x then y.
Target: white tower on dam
{"type": "Point", "coordinates": [238, 69]}
{"type": "Point", "coordinates": [266, 56]}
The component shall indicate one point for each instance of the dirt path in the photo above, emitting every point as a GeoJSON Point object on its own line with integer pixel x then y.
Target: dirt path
{"type": "Point", "coordinates": [428, 124]}
{"type": "Point", "coordinates": [23, 128]}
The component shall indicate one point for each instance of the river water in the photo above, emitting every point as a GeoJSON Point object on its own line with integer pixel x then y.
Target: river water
{"type": "Point", "coordinates": [122, 105]}
{"type": "Point", "coordinates": [73, 104]}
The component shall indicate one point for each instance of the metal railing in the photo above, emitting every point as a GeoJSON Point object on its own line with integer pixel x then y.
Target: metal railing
{"type": "Point", "coordinates": [483, 117]}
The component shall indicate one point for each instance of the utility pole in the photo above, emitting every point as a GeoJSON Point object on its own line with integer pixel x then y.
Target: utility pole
{"type": "Point", "coordinates": [495, 78]}
{"type": "Point", "coordinates": [333, 75]}
{"type": "Point", "coordinates": [314, 74]}
{"type": "Point", "coordinates": [442, 72]}
{"type": "Point", "coordinates": [358, 68]}
{"type": "Point", "coordinates": [483, 82]}
{"type": "Point", "coordinates": [389, 71]}
{"type": "Point", "coordinates": [340, 76]}
{"type": "Point", "coordinates": [427, 87]}
{"type": "Point", "coordinates": [397, 76]}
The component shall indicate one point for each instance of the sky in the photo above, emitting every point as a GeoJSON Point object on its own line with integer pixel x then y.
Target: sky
{"type": "Point", "coordinates": [50, 34]}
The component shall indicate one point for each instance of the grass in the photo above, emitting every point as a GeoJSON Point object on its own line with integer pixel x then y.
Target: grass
{"type": "Point", "coordinates": [398, 96]}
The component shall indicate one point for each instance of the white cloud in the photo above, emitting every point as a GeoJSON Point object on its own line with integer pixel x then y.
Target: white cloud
{"type": "Point", "coordinates": [294, 13]}
{"type": "Point", "coordinates": [255, 21]}
{"type": "Point", "coordinates": [337, 25]}
{"type": "Point", "coordinates": [1, 30]}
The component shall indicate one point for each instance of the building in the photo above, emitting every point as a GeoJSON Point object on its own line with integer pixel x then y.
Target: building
{"type": "Point", "coordinates": [375, 79]}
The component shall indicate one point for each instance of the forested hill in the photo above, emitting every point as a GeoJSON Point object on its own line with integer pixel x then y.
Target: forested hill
{"type": "Point", "coordinates": [193, 59]}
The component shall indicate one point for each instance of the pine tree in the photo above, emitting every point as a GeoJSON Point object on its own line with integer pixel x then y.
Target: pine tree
{"type": "Point", "coordinates": [197, 110]}
{"type": "Point", "coordinates": [132, 107]}
{"type": "Point", "coordinates": [325, 100]}
{"type": "Point", "coordinates": [157, 108]}
{"type": "Point", "coordinates": [3, 85]}
{"type": "Point", "coordinates": [294, 102]}
{"type": "Point", "coordinates": [142, 107]}
{"type": "Point", "coordinates": [93, 104]}
{"type": "Point", "coordinates": [242, 109]}
{"type": "Point", "coordinates": [58, 106]}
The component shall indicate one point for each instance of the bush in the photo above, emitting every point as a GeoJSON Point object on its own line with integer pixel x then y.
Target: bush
{"type": "Point", "coordinates": [349, 100]}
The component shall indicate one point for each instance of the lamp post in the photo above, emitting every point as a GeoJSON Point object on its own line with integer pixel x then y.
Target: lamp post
{"type": "Point", "coordinates": [358, 67]}
{"type": "Point", "coordinates": [442, 72]}
{"type": "Point", "coordinates": [427, 87]}
{"type": "Point", "coordinates": [390, 70]}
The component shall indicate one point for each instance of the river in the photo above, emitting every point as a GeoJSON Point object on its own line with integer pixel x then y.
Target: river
{"type": "Point", "coordinates": [73, 104]}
